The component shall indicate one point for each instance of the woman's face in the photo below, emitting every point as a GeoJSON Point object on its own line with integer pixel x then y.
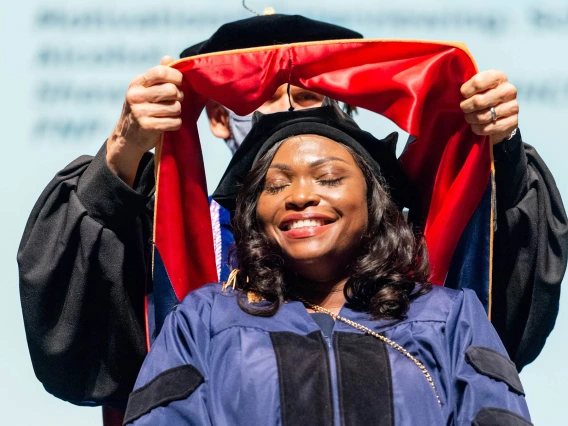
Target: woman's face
{"type": "Point", "coordinates": [314, 205]}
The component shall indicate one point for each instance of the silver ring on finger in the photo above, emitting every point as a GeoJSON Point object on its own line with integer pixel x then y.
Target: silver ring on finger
{"type": "Point", "coordinates": [493, 114]}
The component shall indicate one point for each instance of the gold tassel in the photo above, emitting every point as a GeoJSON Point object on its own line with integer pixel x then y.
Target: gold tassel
{"type": "Point", "coordinates": [232, 280]}
{"type": "Point", "coordinates": [252, 296]}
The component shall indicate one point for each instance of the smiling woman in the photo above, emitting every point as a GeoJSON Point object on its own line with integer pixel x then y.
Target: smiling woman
{"type": "Point", "coordinates": [328, 317]}
{"type": "Point", "coordinates": [315, 205]}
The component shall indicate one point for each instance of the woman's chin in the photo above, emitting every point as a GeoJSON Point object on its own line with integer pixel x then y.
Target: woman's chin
{"type": "Point", "coordinates": [309, 244]}
{"type": "Point", "coordinates": [316, 266]}
{"type": "Point", "coordinates": [309, 252]}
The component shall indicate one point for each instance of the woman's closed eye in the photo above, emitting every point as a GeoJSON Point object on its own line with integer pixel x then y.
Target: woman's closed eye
{"type": "Point", "coordinates": [330, 176]}
{"type": "Point", "coordinates": [331, 182]}
{"type": "Point", "coordinates": [275, 186]}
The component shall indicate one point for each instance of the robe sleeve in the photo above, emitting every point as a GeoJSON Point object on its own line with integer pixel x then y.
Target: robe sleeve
{"type": "Point", "coordinates": [172, 387]}
{"type": "Point", "coordinates": [82, 267]}
{"type": "Point", "coordinates": [486, 389]}
{"type": "Point", "coordinates": [530, 250]}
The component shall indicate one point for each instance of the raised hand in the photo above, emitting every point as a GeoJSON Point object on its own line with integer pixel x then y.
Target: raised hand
{"type": "Point", "coordinates": [485, 91]}
{"type": "Point", "coordinates": [152, 106]}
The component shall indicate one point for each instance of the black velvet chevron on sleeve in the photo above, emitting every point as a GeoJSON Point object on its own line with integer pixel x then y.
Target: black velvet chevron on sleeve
{"type": "Point", "coordinates": [497, 416]}
{"type": "Point", "coordinates": [174, 384]}
{"type": "Point", "coordinates": [492, 364]}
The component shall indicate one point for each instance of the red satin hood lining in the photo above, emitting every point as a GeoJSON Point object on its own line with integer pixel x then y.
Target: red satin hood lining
{"type": "Point", "coordinates": [414, 83]}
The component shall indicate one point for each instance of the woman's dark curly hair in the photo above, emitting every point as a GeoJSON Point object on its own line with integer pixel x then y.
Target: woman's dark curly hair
{"type": "Point", "coordinates": [382, 278]}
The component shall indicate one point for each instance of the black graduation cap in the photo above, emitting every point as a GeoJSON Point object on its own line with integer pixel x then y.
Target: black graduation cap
{"type": "Point", "coordinates": [329, 121]}
{"type": "Point", "coordinates": [269, 30]}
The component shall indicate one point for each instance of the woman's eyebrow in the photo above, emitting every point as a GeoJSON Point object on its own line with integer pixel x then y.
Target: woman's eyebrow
{"type": "Point", "coordinates": [280, 167]}
{"type": "Point", "coordinates": [326, 160]}
{"type": "Point", "coordinates": [314, 164]}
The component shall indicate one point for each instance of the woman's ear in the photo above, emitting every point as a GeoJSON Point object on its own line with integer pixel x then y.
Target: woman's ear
{"type": "Point", "coordinates": [218, 117]}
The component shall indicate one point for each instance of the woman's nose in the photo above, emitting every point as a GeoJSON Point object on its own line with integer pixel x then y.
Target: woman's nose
{"type": "Point", "coordinates": [301, 197]}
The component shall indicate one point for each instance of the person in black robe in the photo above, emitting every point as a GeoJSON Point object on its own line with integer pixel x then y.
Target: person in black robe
{"type": "Point", "coordinates": [85, 257]}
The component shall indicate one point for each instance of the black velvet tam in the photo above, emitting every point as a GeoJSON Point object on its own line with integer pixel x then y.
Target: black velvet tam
{"type": "Point", "coordinates": [269, 30]}
{"type": "Point", "coordinates": [329, 121]}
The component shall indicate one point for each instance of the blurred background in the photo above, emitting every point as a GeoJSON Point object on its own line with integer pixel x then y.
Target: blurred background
{"type": "Point", "coordinates": [66, 67]}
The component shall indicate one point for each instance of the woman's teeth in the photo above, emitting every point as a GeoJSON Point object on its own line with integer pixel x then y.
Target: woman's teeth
{"type": "Point", "coordinates": [304, 224]}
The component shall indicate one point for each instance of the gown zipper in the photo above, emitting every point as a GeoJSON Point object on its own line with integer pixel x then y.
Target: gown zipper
{"type": "Point", "coordinates": [334, 380]}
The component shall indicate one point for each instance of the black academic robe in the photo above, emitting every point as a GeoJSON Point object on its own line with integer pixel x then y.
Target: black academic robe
{"type": "Point", "coordinates": [86, 251]}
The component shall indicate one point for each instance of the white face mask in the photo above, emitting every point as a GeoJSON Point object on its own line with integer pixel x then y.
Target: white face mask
{"type": "Point", "coordinates": [240, 127]}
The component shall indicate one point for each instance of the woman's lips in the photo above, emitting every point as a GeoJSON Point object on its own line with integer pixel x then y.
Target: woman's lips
{"type": "Point", "coordinates": [303, 223]}
{"type": "Point", "coordinates": [307, 231]}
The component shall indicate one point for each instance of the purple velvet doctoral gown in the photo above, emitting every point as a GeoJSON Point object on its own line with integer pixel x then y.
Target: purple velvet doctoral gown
{"type": "Point", "coordinates": [214, 364]}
